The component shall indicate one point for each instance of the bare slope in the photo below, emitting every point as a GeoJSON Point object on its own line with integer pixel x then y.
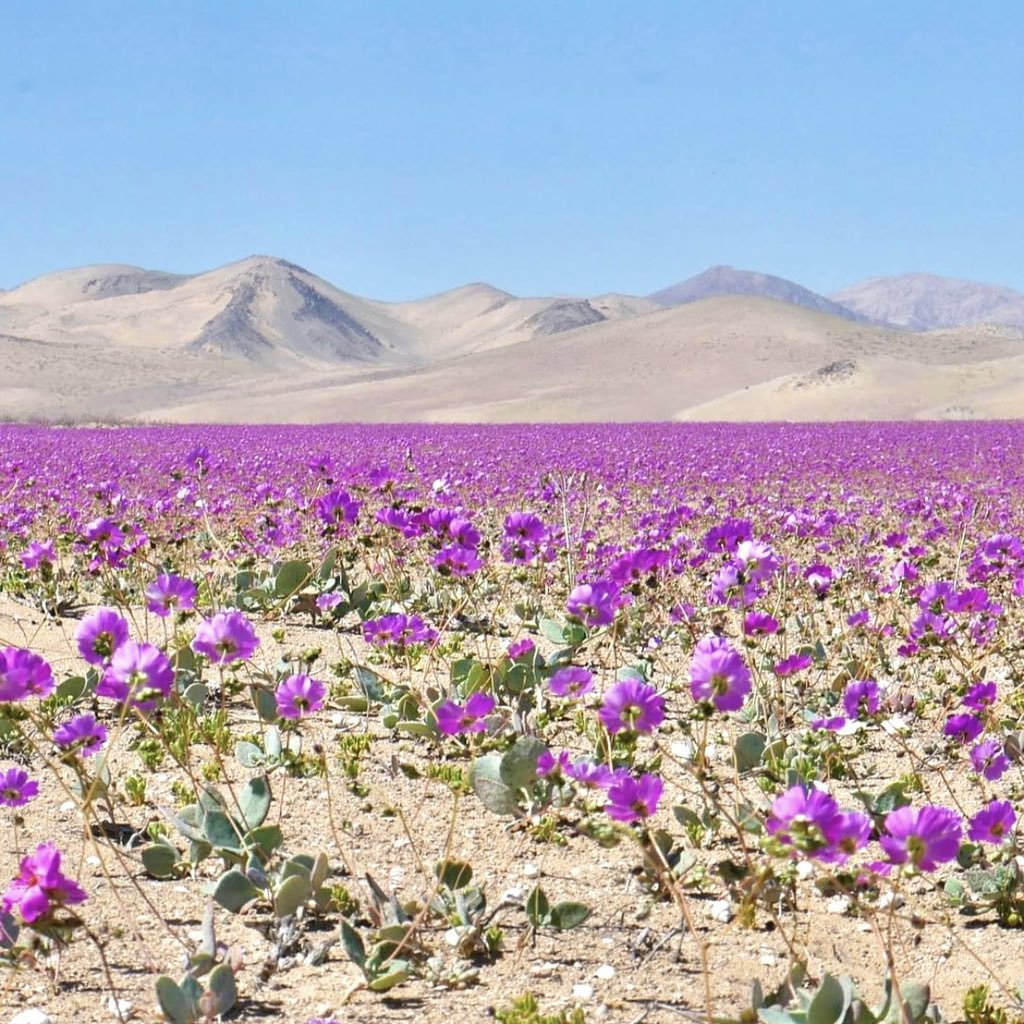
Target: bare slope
{"type": "Point", "coordinates": [924, 302]}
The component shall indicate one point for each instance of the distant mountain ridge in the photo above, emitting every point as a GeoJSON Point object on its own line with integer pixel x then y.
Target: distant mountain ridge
{"type": "Point", "coordinates": [725, 280]}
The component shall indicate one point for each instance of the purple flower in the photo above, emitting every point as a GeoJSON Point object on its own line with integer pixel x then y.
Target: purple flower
{"type": "Point", "coordinates": [81, 734]}
{"type": "Point", "coordinates": [16, 788]}
{"type": "Point", "coordinates": [829, 724]}
{"type": "Point", "coordinates": [926, 837]}
{"type": "Point", "coordinates": [24, 674]}
{"type": "Point", "coordinates": [328, 602]}
{"type": "Point", "coordinates": [454, 719]}
{"type": "Point", "coordinates": [168, 592]}
{"type": "Point", "coordinates": [40, 886]}
{"type": "Point", "coordinates": [980, 697]}
{"type": "Point", "coordinates": [989, 760]}
{"type": "Point", "coordinates": [759, 624]}
{"type": "Point", "coordinates": [631, 799]}
{"type": "Point", "coordinates": [571, 681]}
{"type": "Point", "coordinates": [806, 819]}
{"type": "Point", "coordinates": [398, 630]}
{"type": "Point", "coordinates": [100, 634]}
{"type": "Point", "coordinates": [849, 833]}
{"type": "Point", "coordinates": [137, 675]}
{"type": "Point", "coordinates": [521, 648]}
{"type": "Point", "coordinates": [719, 674]}
{"type": "Point", "coordinates": [592, 774]}
{"type": "Point", "coordinates": [39, 553]}
{"type": "Point", "coordinates": [551, 767]}
{"type": "Point", "coordinates": [298, 696]}
{"type": "Point", "coordinates": [992, 823]}
{"type": "Point", "coordinates": [595, 603]}
{"type": "Point", "coordinates": [226, 637]}
{"type": "Point", "coordinates": [963, 728]}
{"type": "Point", "coordinates": [862, 698]}
{"type": "Point", "coordinates": [793, 664]}
{"type": "Point", "coordinates": [457, 560]}
{"type": "Point", "coordinates": [337, 509]}
{"type": "Point", "coordinates": [632, 705]}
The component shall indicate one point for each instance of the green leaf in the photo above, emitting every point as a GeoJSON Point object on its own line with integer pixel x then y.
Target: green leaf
{"type": "Point", "coordinates": [554, 631]}
{"type": "Point", "coordinates": [221, 984]}
{"type": "Point", "coordinates": [291, 894]}
{"type": "Point", "coordinates": [416, 729]}
{"type": "Point", "coordinates": [265, 704]}
{"type": "Point", "coordinates": [538, 910]}
{"type": "Point", "coordinates": [454, 874]}
{"type": "Point", "coordinates": [291, 577]}
{"type": "Point", "coordinates": [221, 832]}
{"type": "Point", "coordinates": [160, 860]}
{"type": "Point", "coordinates": [916, 998]}
{"type": "Point", "coordinates": [196, 694]}
{"type": "Point", "coordinates": [829, 1004]}
{"type": "Point", "coordinates": [518, 768]}
{"type": "Point", "coordinates": [71, 689]}
{"type": "Point", "coordinates": [485, 780]}
{"type": "Point", "coordinates": [234, 891]}
{"type": "Point", "coordinates": [773, 1015]}
{"type": "Point", "coordinates": [353, 943]}
{"type": "Point", "coordinates": [569, 915]}
{"type": "Point", "coordinates": [174, 1004]}
{"type": "Point", "coordinates": [370, 683]}
{"type": "Point", "coordinates": [574, 634]}
{"type": "Point", "coordinates": [249, 755]}
{"type": "Point", "coordinates": [749, 750]}
{"type": "Point", "coordinates": [189, 822]}
{"type": "Point", "coordinates": [272, 741]}
{"type": "Point", "coordinates": [397, 973]}
{"type": "Point", "coordinates": [254, 801]}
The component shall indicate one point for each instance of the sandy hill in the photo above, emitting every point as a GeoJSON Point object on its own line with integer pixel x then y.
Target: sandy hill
{"type": "Point", "coordinates": [924, 302]}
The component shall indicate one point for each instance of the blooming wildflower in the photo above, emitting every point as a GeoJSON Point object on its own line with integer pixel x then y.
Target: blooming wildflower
{"type": "Point", "coordinates": [829, 724]}
{"type": "Point", "coordinates": [168, 592]}
{"type": "Point", "coordinates": [963, 728]}
{"type": "Point", "coordinates": [759, 624]}
{"type": "Point", "coordinates": [81, 734]}
{"type": "Point", "coordinates": [727, 536]}
{"type": "Point", "coordinates": [16, 788]}
{"type": "Point", "coordinates": [590, 773]}
{"type": "Point", "coordinates": [137, 675]}
{"type": "Point", "coordinates": [521, 648]}
{"type": "Point", "coordinates": [633, 706]}
{"type": "Point", "coordinates": [820, 578]}
{"type": "Point", "coordinates": [226, 637]}
{"type": "Point", "coordinates": [525, 527]}
{"type": "Point", "coordinates": [793, 664]}
{"type": "Point", "coordinates": [989, 759]}
{"type": "Point", "coordinates": [992, 823]}
{"type": "Point", "coordinates": [634, 567]}
{"type": "Point", "coordinates": [328, 602]}
{"type": "Point", "coordinates": [299, 695]}
{"type": "Point", "coordinates": [571, 681]}
{"type": "Point", "coordinates": [719, 674]}
{"type": "Point", "coordinates": [862, 698]}
{"type": "Point", "coordinates": [40, 886]}
{"type": "Point", "coordinates": [337, 509]}
{"type": "Point", "coordinates": [39, 553]}
{"type": "Point", "coordinates": [848, 833]}
{"type": "Point", "coordinates": [980, 696]}
{"type": "Point", "coordinates": [805, 819]}
{"type": "Point", "coordinates": [550, 766]}
{"type": "Point", "coordinates": [758, 560]}
{"type": "Point", "coordinates": [398, 630]}
{"type": "Point", "coordinates": [595, 603]}
{"type": "Point", "coordinates": [925, 837]}
{"type": "Point", "coordinates": [24, 674]}
{"type": "Point", "coordinates": [453, 719]}
{"type": "Point", "coordinates": [100, 634]}
{"type": "Point", "coordinates": [631, 799]}
{"type": "Point", "coordinates": [859, 618]}
{"type": "Point", "coordinates": [457, 560]}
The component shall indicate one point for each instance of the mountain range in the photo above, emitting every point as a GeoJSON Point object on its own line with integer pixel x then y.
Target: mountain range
{"type": "Point", "coordinates": [267, 340]}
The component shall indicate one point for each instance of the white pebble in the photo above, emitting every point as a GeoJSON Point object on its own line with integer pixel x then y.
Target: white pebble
{"type": "Point", "coordinates": [720, 910]}
{"type": "Point", "coordinates": [605, 972]}
{"type": "Point", "coordinates": [769, 959]}
{"type": "Point", "coordinates": [31, 1017]}
{"type": "Point", "coordinates": [583, 991]}
{"type": "Point", "coordinates": [120, 1008]}
{"type": "Point", "coordinates": [531, 870]}
{"type": "Point", "coordinates": [65, 808]}
{"type": "Point", "coordinates": [838, 905]}
{"type": "Point", "coordinates": [890, 899]}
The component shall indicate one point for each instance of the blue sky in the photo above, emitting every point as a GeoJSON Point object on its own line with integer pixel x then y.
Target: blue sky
{"type": "Point", "coordinates": [401, 148]}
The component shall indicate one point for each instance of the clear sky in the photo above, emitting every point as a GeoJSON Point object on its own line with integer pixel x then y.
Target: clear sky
{"type": "Point", "coordinates": [545, 146]}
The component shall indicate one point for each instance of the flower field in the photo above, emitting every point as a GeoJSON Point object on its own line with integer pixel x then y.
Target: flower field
{"type": "Point", "coordinates": [537, 724]}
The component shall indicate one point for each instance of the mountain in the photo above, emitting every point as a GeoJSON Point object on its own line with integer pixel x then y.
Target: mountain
{"type": "Point", "coordinates": [924, 302]}
{"type": "Point", "coordinates": [723, 280]}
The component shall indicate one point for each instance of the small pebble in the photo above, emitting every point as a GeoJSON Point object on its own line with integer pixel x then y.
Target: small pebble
{"type": "Point", "coordinates": [890, 899]}
{"type": "Point", "coordinates": [531, 870]}
{"type": "Point", "coordinates": [605, 972]}
{"type": "Point", "coordinates": [120, 1008]}
{"type": "Point", "coordinates": [67, 806]}
{"type": "Point", "coordinates": [31, 1017]}
{"type": "Point", "coordinates": [583, 991]}
{"type": "Point", "coordinates": [720, 910]}
{"type": "Point", "coordinates": [769, 959]}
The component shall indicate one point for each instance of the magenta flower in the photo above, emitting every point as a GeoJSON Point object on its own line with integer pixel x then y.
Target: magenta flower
{"type": "Point", "coordinates": [807, 819]}
{"type": "Point", "coordinates": [40, 887]}
{"type": "Point", "coordinates": [168, 592]}
{"type": "Point", "coordinates": [454, 719]}
{"type": "Point", "coordinates": [138, 674]}
{"type": "Point", "coordinates": [592, 774]}
{"type": "Point", "coordinates": [631, 799]}
{"type": "Point", "coordinates": [39, 553]}
{"type": "Point", "coordinates": [759, 624]}
{"type": "Point", "coordinates": [595, 603]}
{"type": "Point", "coordinates": [398, 630]}
{"type": "Point", "coordinates": [963, 728]}
{"type": "Point", "coordinates": [521, 648]}
{"type": "Point", "coordinates": [550, 766]}
{"type": "Point", "coordinates": [16, 788]}
{"type": "Point", "coordinates": [989, 759]}
{"type": "Point", "coordinates": [980, 697]}
{"type": "Point", "coordinates": [925, 838]}
{"type": "Point", "coordinates": [862, 698]}
{"type": "Point", "coordinates": [571, 681]}
{"type": "Point", "coordinates": [457, 560]}
{"type": "Point", "coordinates": [100, 634]}
{"type": "Point", "coordinates": [632, 706]}
{"type": "Point", "coordinates": [298, 696]}
{"type": "Point", "coordinates": [225, 638]}
{"type": "Point", "coordinates": [992, 823]}
{"type": "Point", "coordinates": [719, 674]}
{"type": "Point", "coordinates": [337, 509]}
{"type": "Point", "coordinates": [24, 674]}
{"type": "Point", "coordinates": [81, 734]}
{"type": "Point", "coordinates": [794, 663]}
